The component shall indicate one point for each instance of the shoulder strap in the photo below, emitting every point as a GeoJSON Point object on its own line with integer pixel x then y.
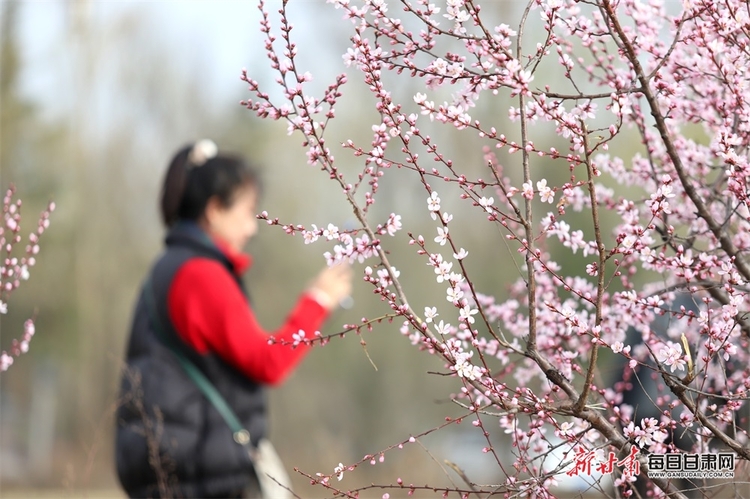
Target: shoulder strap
{"type": "Point", "coordinates": [240, 434]}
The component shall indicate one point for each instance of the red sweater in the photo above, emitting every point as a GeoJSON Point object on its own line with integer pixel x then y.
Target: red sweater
{"type": "Point", "coordinates": [211, 314]}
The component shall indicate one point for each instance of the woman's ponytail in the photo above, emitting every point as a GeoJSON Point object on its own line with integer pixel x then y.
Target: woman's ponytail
{"type": "Point", "coordinates": [173, 189]}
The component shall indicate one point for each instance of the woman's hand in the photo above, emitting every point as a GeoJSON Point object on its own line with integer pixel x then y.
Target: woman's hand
{"type": "Point", "coordinates": [332, 285]}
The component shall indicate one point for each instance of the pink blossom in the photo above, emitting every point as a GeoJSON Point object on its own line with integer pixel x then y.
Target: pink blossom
{"type": "Point", "coordinates": [462, 253]}
{"type": "Point", "coordinates": [5, 361]}
{"type": "Point", "coordinates": [486, 203]}
{"type": "Point", "coordinates": [665, 222]}
{"type": "Point", "coordinates": [433, 204]}
{"type": "Point", "coordinates": [15, 269]}
{"type": "Point", "coordinates": [430, 313]}
{"type": "Point", "coordinates": [299, 337]}
{"type": "Point", "coordinates": [442, 236]}
{"type": "Point", "coordinates": [394, 224]}
{"type": "Point", "coordinates": [528, 191]}
{"type": "Point", "coordinates": [339, 471]}
{"type": "Point", "coordinates": [671, 356]}
{"type": "Point", "coordinates": [546, 194]}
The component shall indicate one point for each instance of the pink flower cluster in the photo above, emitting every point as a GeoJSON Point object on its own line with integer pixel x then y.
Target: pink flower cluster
{"type": "Point", "coordinates": [13, 269]}
{"type": "Point", "coordinates": [633, 214]}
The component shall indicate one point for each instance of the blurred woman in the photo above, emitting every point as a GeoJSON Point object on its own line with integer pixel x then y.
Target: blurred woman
{"type": "Point", "coordinates": [194, 314]}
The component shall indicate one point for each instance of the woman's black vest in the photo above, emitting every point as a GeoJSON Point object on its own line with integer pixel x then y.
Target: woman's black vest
{"type": "Point", "coordinates": [170, 439]}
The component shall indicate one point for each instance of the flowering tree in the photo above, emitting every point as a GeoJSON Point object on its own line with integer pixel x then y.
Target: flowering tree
{"type": "Point", "coordinates": [672, 84]}
{"type": "Point", "coordinates": [13, 270]}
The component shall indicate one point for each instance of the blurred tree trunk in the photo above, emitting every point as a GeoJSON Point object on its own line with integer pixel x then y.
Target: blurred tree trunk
{"type": "Point", "coordinates": [83, 202]}
{"type": "Point", "coordinates": [12, 111]}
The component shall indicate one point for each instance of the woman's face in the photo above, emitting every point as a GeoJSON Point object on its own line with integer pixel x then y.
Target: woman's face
{"type": "Point", "coordinates": [234, 224]}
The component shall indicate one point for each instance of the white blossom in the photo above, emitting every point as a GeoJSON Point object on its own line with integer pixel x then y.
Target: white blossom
{"type": "Point", "coordinates": [486, 203]}
{"type": "Point", "coordinates": [433, 204]}
{"type": "Point", "coordinates": [430, 313]}
{"type": "Point", "coordinates": [339, 471]}
{"type": "Point", "coordinates": [442, 236]}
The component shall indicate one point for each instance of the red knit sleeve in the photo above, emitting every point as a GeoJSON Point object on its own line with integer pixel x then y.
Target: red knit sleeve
{"type": "Point", "coordinates": [211, 314]}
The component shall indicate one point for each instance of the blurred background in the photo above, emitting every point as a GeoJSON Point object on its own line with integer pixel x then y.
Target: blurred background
{"type": "Point", "coordinates": [95, 97]}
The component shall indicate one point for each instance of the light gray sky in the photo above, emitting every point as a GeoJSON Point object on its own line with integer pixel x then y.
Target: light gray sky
{"type": "Point", "coordinates": [221, 34]}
